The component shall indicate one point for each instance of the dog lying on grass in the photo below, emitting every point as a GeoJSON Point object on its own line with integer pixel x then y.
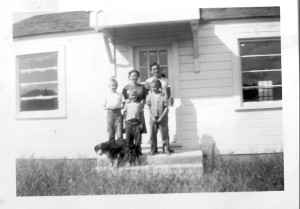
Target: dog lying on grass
{"type": "Point", "coordinates": [120, 152]}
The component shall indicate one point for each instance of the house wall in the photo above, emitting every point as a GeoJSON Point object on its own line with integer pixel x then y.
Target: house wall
{"type": "Point", "coordinates": [209, 112]}
{"type": "Point", "coordinates": [209, 108]}
{"type": "Point", "coordinates": [87, 69]}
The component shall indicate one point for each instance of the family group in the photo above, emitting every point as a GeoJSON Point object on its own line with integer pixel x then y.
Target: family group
{"type": "Point", "coordinates": [125, 111]}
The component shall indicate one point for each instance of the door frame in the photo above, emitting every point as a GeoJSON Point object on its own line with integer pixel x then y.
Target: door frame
{"type": "Point", "coordinates": [174, 78]}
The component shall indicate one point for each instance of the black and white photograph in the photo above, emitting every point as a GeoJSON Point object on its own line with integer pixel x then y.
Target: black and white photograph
{"type": "Point", "coordinates": [149, 105]}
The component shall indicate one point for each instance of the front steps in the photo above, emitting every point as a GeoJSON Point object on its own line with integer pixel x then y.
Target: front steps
{"type": "Point", "coordinates": [187, 161]}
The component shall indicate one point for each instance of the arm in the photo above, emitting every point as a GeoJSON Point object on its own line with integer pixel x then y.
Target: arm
{"type": "Point", "coordinates": [168, 92]}
{"type": "Point", "coordinates": [105, 104]}
{"type": "Point", "coordinates": [165, 112]}
{"type": "Point", "coordinates": [153, 118]}
{"type": "Point", "coordinates": [149, 107]}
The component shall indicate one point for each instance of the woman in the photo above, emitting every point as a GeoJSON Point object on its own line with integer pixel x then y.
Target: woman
{"type": "Point", "coordinates": [133, 76]}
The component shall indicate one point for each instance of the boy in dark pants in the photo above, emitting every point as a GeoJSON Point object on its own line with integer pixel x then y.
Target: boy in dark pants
{"type": "Point", "coordinates": [158, 110]}
{"type": "Point", "coordinates": [133, 117]}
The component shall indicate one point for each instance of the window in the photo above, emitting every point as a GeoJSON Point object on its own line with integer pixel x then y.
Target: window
{"type": "Point", "coordinates": [40, 84]}
{"type": "Point", "coordinates": [260, 70]}
{"type": "Point", "coordinates": [146, 57]}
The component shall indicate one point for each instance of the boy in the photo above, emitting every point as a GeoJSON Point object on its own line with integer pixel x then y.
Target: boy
{"type": "Point", "coordinates": [133, 117]}
{"type": "Point", "coordinates": [113, 104]}
{"type": "Point", "coordinates": [158, 111]}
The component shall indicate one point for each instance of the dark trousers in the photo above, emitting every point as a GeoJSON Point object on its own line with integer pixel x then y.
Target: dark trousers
{"type": "Point", "coordinates": [162, 126]}
{"type": "Point", "coordinates": [114, 124]}
{"type": "Point", "coordinates": [133, 133]}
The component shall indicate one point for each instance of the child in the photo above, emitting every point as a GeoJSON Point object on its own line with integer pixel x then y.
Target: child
{"type": "Point", "coordinates": [158, 110]}
{"type": "Point", "coordinates": [113, 104]}
{"type": "Point", "coordinates": [133, 117]}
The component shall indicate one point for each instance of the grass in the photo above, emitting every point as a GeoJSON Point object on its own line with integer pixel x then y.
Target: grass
{"type": "Point", "coordinates": [48, 177]}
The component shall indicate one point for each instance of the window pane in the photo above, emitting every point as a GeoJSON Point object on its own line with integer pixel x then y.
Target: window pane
{"type": "Point", "coordinates": [164, 71]}
{"type": "Point", "coordinates": [153, 57]}
{"type": "Point", "coordinates": [260, 47]}
{"type": "Point", "coordinates": [261, 63]}
{"type": "Point", "coordinates": [38, 61]}
{"type": "Point", "coordinates": [143, 74]}
{"type": "Point", "coordinates": [163, 58]}
{"type": "Point", "coordinates": [38, 76]}
{"type": "Point", "coordinates": [39, 104]}
{"type": "Point", "coordinates": [38, 90]}
{"type": "Point", "coordinates": [262, 94]}
{"type": "Point", "coordinates": [253, 79]}
{"type": "Point", "coordinates": [143, 59]}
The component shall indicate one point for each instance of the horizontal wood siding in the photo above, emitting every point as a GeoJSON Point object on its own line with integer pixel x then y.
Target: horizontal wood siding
{"type": "Point", "coordinates": [208, 108]}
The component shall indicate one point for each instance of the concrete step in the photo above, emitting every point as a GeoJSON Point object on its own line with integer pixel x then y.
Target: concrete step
{"type": "Point", "coordinates": [177, 158]}
{"type": "Point", "coordinates": [146, 147]}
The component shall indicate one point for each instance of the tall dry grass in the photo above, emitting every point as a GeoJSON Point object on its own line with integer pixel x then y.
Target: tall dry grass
{"type": "Point", "coordinates": [46, 177]}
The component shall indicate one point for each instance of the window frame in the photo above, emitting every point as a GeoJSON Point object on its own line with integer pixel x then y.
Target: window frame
{"type": "Point", "coordinates": [61, 111]}
{"type": "Point", "coordinates": [240, 105]}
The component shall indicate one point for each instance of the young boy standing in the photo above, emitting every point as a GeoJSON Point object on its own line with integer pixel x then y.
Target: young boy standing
{"type": "Point", "coordinates": [158, 111]}
{"type": "Point", "coordinates": [133, 117]}
{"type": "Point", "coordinates": [113, 104]}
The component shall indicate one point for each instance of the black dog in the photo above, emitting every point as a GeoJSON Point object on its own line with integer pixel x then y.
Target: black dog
{"type": "Point", "coordinates": [120, 151]}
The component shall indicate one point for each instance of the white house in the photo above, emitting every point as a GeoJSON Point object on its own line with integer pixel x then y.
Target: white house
{"type": "Point", "coordinates": [224, 66]}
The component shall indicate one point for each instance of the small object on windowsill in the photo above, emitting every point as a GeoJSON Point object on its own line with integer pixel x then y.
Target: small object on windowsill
{"type": "Point", "coordinates": [258, 107]}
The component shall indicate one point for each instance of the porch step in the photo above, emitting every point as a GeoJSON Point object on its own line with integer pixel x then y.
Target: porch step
{"type": "Point", "coordinates": [146, 147]}
{"type": "Point", "coordinates": [178, 158]}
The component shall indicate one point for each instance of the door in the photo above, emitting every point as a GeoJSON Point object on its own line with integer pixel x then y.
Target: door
{"type": "Point", "coordinates": [144, 56]}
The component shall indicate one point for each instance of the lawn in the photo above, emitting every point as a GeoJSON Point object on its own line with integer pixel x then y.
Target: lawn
{"type": "Point", "coordinates": [48, 177]}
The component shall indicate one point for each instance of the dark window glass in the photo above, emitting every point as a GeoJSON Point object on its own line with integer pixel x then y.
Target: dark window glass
{"type": "Point", "coordinates": [153, 56]}
{"type": "Point", "coordinates": [262, 94]}
{"type": "Point", "coordinates": [38, 61]}
{"type": "Point", "coordinates": [38, 76]}
{"type": "Point", "coordinates": [253, 79]}
{"type": "Point", "coordinates": [260, 47]}
{"type": "Point", "coordinates": [143, 59]}
{"type": "Point", "coordinates": [143, 74]}
{"type": "Point", "coordinates": [38, 90]}
{"type": "Point", "coordinates": [39, 104]}
{"type": "Point", "coordinates": [261, 63]}
{"type": "Point", "coordinates": [163, 58]}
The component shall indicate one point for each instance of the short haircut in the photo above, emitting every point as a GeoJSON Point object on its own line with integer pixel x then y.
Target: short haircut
{"type": "Point", "coordinates": [154, 64]}
{"type": "Point", "coordinates": [156, 82]}
{"type": "Point", "coordinates": [133, 71]}
{"type": "Point", "coordinates": [112, 80]}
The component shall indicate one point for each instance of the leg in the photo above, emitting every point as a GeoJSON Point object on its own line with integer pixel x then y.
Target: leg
{"type": "Point", "coordinates": [119, 126]}
{"type": "Point", "coordinates": [164, 131]}
{"type": "Point", "coordinates": [153, 136]}
{"type": "Point", "coordinates": [110, 126]}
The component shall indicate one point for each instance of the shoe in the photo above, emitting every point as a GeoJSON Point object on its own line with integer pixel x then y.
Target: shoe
{"type": "Point", "coordinates": [127, 165]}
{"type": "Point", "coordinates": [152, 152]}
{"type": "Point", "coordinates": [168, 150]}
